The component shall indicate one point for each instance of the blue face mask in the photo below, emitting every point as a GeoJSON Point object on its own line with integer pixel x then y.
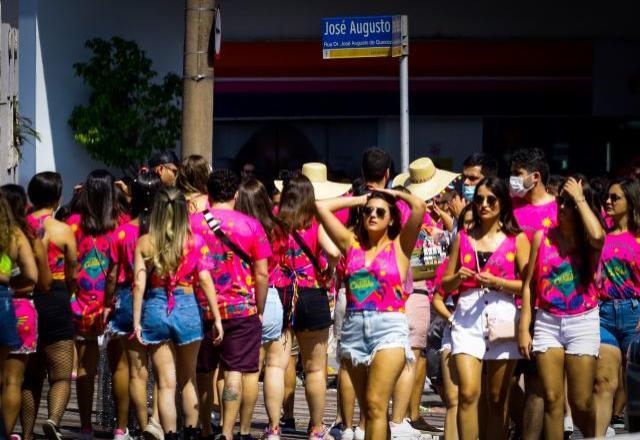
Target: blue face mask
{"type": "Point", "coordinates": [468, 191]}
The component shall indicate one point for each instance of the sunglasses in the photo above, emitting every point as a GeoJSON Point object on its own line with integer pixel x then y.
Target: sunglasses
{"type": "Point", "coordinates": [491, 200]}
{"type": "Point", "coordinates": [614, 197]}
{"type": "Point", "coordinates": [368, 210]}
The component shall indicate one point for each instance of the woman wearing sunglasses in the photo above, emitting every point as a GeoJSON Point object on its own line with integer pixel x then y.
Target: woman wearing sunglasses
{"type": "Point", "coordinates": [567, 325]}
{"type": "Point", "coordinates": [485, 267]}
{"type": "Point", "coordinates": [375, 336]}
{"type": "Point", "coordinates": [618, 285]}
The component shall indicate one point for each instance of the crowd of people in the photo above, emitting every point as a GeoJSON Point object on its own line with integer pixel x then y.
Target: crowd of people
{"type": "Point", "coordinates": [518, 298]}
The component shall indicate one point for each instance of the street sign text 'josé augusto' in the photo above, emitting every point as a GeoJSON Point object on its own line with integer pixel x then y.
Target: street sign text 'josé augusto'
{"type": "Point", "coordinates": [357, 37]}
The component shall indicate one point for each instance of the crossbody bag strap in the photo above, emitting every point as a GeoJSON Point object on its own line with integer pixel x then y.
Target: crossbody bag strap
{"type": "Point", "coordinates": [214, 225]}
{"type": "Point", "coordinates": [307, 251]}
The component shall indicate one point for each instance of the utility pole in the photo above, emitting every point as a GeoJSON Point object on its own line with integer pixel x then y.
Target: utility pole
{"type": "Point", "coordinates": [197, 103]}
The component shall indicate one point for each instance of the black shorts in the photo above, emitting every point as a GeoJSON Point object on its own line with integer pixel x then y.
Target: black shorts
{"type": "Point", "coordinates": [54, 314]}
{"type": "Point", "coordinates": [311, 312]}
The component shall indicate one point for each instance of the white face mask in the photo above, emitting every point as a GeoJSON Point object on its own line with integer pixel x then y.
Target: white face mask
{"type": "Point", "coordinates": [517, 187]}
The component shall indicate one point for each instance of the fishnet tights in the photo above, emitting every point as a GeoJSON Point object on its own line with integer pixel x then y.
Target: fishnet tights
{"type": "Point", "coordinates": [56, 360]}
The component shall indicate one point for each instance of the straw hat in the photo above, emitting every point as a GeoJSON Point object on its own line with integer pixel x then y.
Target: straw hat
{"type": "Point", "coordinates": [424, 180]}
{"type": "Point", "coordinates": [323, 189]}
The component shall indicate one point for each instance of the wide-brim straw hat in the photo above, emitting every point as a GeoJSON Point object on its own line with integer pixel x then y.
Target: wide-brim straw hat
{"type": "Point", "coordinates": [323, 188]}
{"type": "Point", "coordinates": [424, 180]}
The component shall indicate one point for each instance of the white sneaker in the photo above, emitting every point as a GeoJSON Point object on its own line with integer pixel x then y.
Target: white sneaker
{"type": "Point", "coordinates": [404, 431]}
{"type": "Point", "coordinates": [347, 434]}
{"type": "Point", "coordinates": [122, 435]}
{"type": "Point", "coordinates": [610, 432]}
{"type": "Point", "coordinates": [358, 433]}
{"type": "Point", "coordinates": [568, 424]}
{"type": "Point", "coordinates": [153, 431]}
{"type": "Point", "coordinates": [51, 430]}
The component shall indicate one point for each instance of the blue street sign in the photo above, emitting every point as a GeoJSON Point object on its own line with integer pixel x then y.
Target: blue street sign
{"type": "Point", "coordinates": [355, 37]}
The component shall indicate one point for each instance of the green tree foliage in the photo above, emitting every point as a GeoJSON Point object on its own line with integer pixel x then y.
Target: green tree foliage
{"type": "Point", "coordinates": [129, 114]}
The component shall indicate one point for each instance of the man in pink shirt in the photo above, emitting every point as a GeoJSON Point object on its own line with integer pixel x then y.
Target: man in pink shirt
{"type": "Point", "coordinates": [533, 206]}
{"type": "Point", "coordinates": [534, 209]}
{"type": "Point", "coordinates": [239, 251]}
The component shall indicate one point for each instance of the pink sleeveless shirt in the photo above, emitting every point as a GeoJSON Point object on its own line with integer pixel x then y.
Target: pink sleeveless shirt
{"type": "Point", "coordinates": [562, 282]}
{"type": "Point", "coordinates": [501, 263]}
{"type": "Point", "coordinates": [376, 287]}
{"type": "Point", "coordinates": [618, 275]}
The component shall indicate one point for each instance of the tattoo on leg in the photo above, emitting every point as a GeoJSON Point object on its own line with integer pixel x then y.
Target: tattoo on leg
{"type": "Point", "coordinates": [229, 395]}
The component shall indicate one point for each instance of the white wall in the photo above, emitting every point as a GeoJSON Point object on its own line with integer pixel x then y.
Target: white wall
{"type": "Point", "coordinates": [50, 94]}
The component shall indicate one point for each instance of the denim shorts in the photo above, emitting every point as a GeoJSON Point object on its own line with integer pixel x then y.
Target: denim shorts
{"type": "Point", "coordinates": [272, 317]}
{"type": "Point", "coordinates": [618, 322]}
{"type": "Point", "coordinates": [8, 322]}
{"type": "Point", "coordinates": [366, 332]}
{"type": "Point", "coordinates": [121, 319]}
{"type": "Point", "coordinates": [577, 334]}
{"type": "Point", "coordinates": [182, 325]}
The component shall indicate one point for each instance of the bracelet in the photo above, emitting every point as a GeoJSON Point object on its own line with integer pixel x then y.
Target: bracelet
{"type": "Point", "coordinates": [450, 319]}
{"type": "Point", "coordinates": [581, 200]}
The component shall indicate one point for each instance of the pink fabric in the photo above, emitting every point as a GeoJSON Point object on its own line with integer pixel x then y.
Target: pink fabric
{"type": "Point", "coordinates": [532, 218]}
{"type": "Point", "coordinates": [501, 263]}
{"type": "Point", "coordinates": [55, 255]}
{"type": "Point", "coordinates": [122, 249]}
{"type": "Point", "coordinates": [295, 266]}
{"type": "Point", "coordinates": [378, 286]}
{"type": "Point", "coordinates": [93, 263]}
{"type": "Point", "coordinates": [437, 281]}
{"type": "Point", "coordinates": [233, 278]}
{"type": "Point", "coordinates": [618, 275]}
{"type": "Point", "coordinates": [200, 228]}
{"type": "Point", "coordinates": [27, 317]}
{"type": "Point", "coordinates": [562, 283]}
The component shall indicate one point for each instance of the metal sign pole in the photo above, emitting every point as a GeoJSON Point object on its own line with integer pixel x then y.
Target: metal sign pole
{"type": "Point", "coordinates": [404, 112]}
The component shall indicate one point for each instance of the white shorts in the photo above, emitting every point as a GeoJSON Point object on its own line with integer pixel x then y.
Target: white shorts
{"type": "Point", "coordinates": [577, 334]}
{"type": "Point", "coordinates": [469, 332]}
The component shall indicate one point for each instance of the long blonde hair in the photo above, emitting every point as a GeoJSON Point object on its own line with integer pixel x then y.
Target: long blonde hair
{"type": "Point", "coordinates": [168, 229]}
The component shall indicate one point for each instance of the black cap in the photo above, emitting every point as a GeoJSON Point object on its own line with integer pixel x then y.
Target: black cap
{"type": "Point", "coordinates": [162, 157]}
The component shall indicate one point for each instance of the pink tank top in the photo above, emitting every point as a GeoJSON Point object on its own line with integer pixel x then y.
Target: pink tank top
{"type": "Point", "coordinates": [562, 282]}
{"type": "Point", "coordinates": [376, 287]}
{"type": "Point", "coordinates": [501, 263]}
{"type": "Point", "coordinates": [618, 275]}
{"type": "Point", "coordinates": [55, 255]}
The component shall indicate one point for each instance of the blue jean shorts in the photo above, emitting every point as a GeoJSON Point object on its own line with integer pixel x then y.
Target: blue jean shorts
{"type": "Point", "coordinates": [272, 317]}
{"type": "Point", "coordinates": [366, 332]}
{"type": "Point", "coordinates": [182, 326]}
{"type": "Point", "coordinates": [8, 323]}
{"type": "Point", "coordinates": [121, 320]}
{"type": "Point", "coordinates": [618, 322]}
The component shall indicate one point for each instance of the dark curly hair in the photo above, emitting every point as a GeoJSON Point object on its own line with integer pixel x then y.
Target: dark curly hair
{"type": "Point", "coordinates": [532, 160]}
{"type": "Point", "coordinates": [223, 185]}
